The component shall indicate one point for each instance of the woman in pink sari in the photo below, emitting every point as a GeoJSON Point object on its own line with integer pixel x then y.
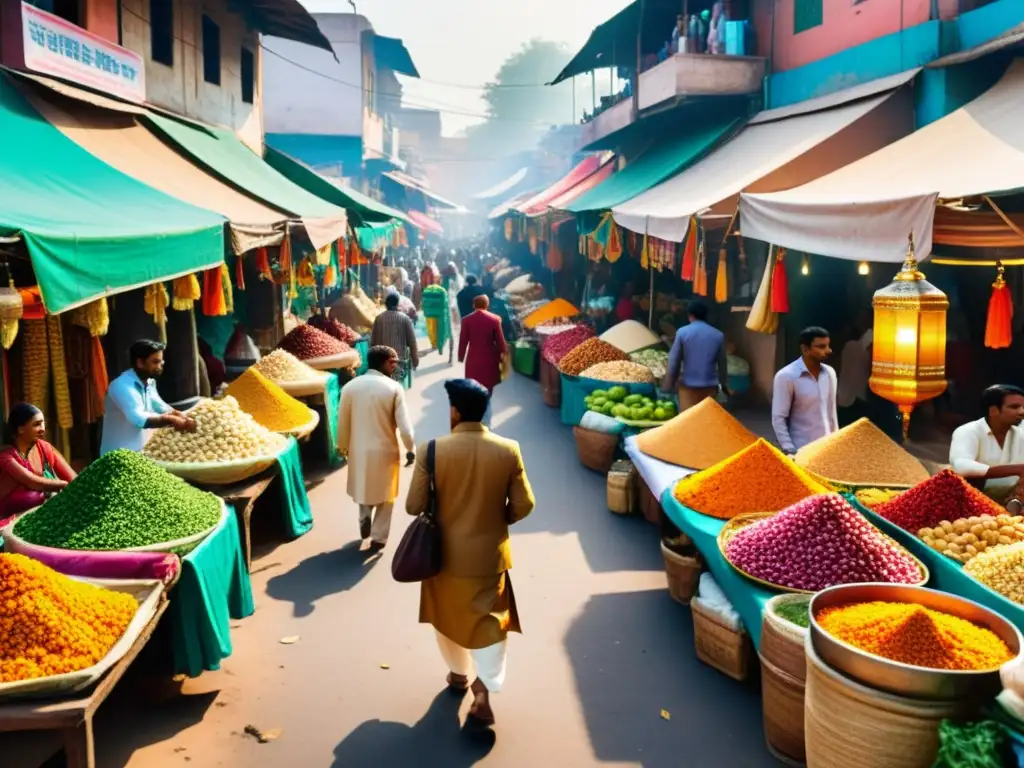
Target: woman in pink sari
{"type": "Point", "coordinates": [30, 468]}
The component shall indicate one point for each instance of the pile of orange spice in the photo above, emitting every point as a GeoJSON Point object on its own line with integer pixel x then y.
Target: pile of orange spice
{"type": "Point", "coordinates": [915, 635]}
{"type": "Point", "coordinates": [760, 478]}
{"type": "Point", "coordinates": [51, 624]}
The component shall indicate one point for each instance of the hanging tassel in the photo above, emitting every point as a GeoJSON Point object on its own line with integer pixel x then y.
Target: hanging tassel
{"type": "Point", "coordinates": [98, 374]}
{"type": "Point", "coordinates": [645, 253]}
{"type": "Point", "coordinates": [614, 250]}
{"type": "Point", "coordinates": [700, 275]}
{"type": "Point", "coordinates": [999, 326]}
{"type": "Point", "coordinates": [213, 302]}
{"type": "Point", "coordinates": [306, 277]}
{"type": "Point", "coordinates": [690, 252]}
{"type": "Point", "coordinates": [229, 294]}
{"type": "Point", "coordinates": [184, 292]}
{"type": "Point", "coordinates": [722, 278]}
{"type": "Point", "coordinates": [263, 264]}
{"type": "Point", "coordinates": [239, 273]}
{"type": "Point", "coordinates": [762, 319]}
{"type": "Point", "coordinates": [155, 303]}
{"type": "Point", "coordinates": [780, 284]}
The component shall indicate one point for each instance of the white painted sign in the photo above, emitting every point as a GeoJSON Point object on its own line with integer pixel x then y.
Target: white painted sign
{"type": "Point", "coordinates": [57, 47]}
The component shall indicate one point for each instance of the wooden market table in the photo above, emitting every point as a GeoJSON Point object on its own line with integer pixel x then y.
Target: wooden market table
{"type": "Point", "coordinates": [69, 720]}
{"type": "Point", "coordinates": [243, 496]}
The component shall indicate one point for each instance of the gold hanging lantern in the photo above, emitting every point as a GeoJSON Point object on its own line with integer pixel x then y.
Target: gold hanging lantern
{"type": "Point", "coordinates": [908, 363]}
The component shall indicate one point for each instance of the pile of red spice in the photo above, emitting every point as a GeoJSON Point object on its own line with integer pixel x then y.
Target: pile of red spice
{"type": "Point", "coordinates": [558, 346]}
{"type": "Point", "coordinates": [308, 343]}
{"type": "Point", "coordinates": [947, 496]}
{"type": "Point", "coordinates": [332, 327]}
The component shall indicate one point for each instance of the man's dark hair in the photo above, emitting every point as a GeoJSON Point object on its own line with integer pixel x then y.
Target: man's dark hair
{"type": "Point", "coordinates": [996, 395]}
{"type": "Point", "coordinates": [808, 335]}
{"type": "Point", "coordinates": [391, 302]}
{"type": "Point", "coordinates": [379, 355]}
{"type": "Point", "coordinates": [698, 310]}
{"type": "Point", "coordinates": [469, 397]}
{"type": "Point", "coordinates": [470, 279]}
{"type": "Point", "coordinates": [143, 349]}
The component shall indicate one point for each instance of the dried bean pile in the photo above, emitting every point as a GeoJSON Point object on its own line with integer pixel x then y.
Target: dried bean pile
{"type": "Point", "coordinates": [558, 346]}
{"type": "Point", "coordinates": [861, 454]}
{"type": "Point", "coordinates": [590, 352]}
{"type": "Point", "coordinates": [817, 543]}
{"type": "Point", "coordinates": [968, 537]}
{"type": "Point", "coordinates": [620, 370]}
{"type": "Point", "coordinates": [1000, 568]}
{"type": "Point", "coordinates": [944, 497]}
{"type": "Point", "coordinates": [332, 327]}
{"type": "Point", "coordinates": [307, 343]}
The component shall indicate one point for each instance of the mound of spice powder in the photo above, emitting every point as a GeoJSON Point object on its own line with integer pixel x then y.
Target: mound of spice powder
{"type": "Point", "coordinates": [558, 346]}
{"type": "Point", "coordinates": [267, 403]}
{"type": "Point", "coordinates": [943, 497]}
{"type": "Point", "coordinates": [861, 454]}
{"type": "Point", "coordinates": [915, 635]}
{"type": "Point", "coordinates": [698, 438]}
{"type": "Point", "coordinates": [817, 543]}
{"type": "Point", "coordinates": [332, 327]}
{"type": "Point", "coordinates": [307, 343]}
{"type": "Point", "coordinates": [757, 479]}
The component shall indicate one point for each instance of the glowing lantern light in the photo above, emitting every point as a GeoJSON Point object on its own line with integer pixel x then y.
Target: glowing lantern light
{"type": "Point", "coordinates": [908, 363]}
{"type": "Point", "coordinates": [863, 268]}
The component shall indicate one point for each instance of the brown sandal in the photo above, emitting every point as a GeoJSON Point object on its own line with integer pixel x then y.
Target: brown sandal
{"type": "Point", "coordinates": [459, 683]}
{"type": "Point", "coordinates": [474, 714]}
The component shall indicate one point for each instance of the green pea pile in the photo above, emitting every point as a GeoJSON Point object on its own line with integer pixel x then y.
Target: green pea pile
{"type": "Point", "coordinates": [122, 500]}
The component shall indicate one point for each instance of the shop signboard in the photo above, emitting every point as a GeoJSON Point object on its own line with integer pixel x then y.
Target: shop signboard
{"type": "Point", "coordinates": [53, 46]}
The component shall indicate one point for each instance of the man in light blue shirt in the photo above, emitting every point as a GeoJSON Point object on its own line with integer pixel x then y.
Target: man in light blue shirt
{"type": "Point", "coordinates": [699, 349]}
{"type": "Point", "coordinates": [804, 395]}
{"type": "Point", "coordinates": [133, 406]}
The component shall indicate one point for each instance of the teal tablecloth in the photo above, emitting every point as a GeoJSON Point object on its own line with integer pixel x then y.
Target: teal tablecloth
{"type": "Point", "coordinates": [363, 348]}
{"type": "Point", "coordinates": [575, 388]}
{"type": "Point", "coordinates": [298, 515]}
{"type": "Point", "coordinates": [747, 597]}
{"type": "Point", "coordinates": [947, 575]}
{"type": "Point", "coordinates": [214, 588]}
{"type": "Point", "coordinates": [332, 398]}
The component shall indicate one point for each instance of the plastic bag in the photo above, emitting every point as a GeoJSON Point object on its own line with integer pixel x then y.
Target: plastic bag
{"type": "Point", "coordinates": [598, 422]}
{"type": "Point", "coordinates": [1012, 675]}
{"type": "Point", "coordinates": [713, 598]}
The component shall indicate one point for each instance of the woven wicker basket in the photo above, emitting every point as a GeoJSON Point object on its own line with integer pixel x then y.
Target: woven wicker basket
{"type": "Point", "coordinates": [682, 573]}
{"type": "Point", "coordinates": [782, 642]}
{"type": "Point", "coordinates": [650, 507]}
{"type": "Point", "coordinates": [720, 646]}
{"type": "Point", "coordinates": [782, 699]}
{"type": "Point", "coordinates": [622, 487]}
{"type": "Point", "coordinates": [595, 449]}
{"type": "Point", "coordinates": [550, 384]}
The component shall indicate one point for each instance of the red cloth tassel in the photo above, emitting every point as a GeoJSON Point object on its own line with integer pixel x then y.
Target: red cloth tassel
{"type": "Point", "coordinates": [239, 274]}
{"type": "Point", "coordinates": [999, 326]}
{"type": "Point", "coordinates": [780, 284]}
{"type": "Point", "coordinates": [263, 264]}
{"type": "Point", "coordinates": [689, 268]}
{"type": "Point", "coordinates": [214, 304]}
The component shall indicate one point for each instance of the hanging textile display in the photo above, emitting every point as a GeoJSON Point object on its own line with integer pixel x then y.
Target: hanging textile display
{"type": "Point", "coordinates": [999, 325]}
{"type": "Point", "coordinates": [185, 292]}
{"type": "Point", "coordinates": [213, 302]}
{"type": "Point", "coordinates": [35, 362]}
{"type": "Point", "coordinates": [95, 316]}
{"type": "Point", "coordinates": [613, 251]}
{"type": "Point", "coordinates": [762, 319]}
{"type": "Point", "coordinates": [156, 303]}
{"type": "Point", "coordinates": [690, 251]}
{"type": "Point", "coordinates": [645, 253]}
{"type": "Point", "coordinates": [239, 273]}
{"type": "Point", "coordinates": [306, 278]}
{"type": "Point", "coordinates": [323, 255]}
{"type": "Point", "coordinates": [532, 237]}
{"type": "Point", "coordinates": [59, 372]}
{"type": "Point", "coordinates": [780, 283]}
{"type": "Point", "coordinates": [722, 277]}
{"type": "Point", "coordinates": [263, 265]}
{"type": "Point", "coordinates": [31, 303]}
{"type": "Point", "coordinates": [229, 293]}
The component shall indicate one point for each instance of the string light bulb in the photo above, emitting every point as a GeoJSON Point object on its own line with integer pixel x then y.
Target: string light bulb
{"type": "Point", "coordinates": [805, 266]}
{"type": "Point", "coordinates": [863, 268]}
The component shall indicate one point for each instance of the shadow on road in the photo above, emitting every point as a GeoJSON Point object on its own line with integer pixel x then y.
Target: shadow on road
{"type": "Point", "coordinates": [321, 575]}
{"type": "Point", "coordinates": [437, 739]}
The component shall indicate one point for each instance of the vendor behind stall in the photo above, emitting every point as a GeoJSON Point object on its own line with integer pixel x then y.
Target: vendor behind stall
{"type": "Point", "coordinates": [133, 405]}
{"type": "Point", "coordinates": [989, 452]}
{"type": "Point", "coordinates": [30, 468]}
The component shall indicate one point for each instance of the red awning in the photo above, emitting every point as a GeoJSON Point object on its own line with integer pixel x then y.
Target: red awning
{"type": "Point", "coordinates": [540, 202]}
{"type": "Point", "coordinates": [424, 223]}
{"type": "Point", "coordinates": [586, 185]}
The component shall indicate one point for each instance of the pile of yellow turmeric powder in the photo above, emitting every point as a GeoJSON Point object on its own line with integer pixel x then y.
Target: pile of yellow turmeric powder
{"type": "Point", "coordinates": [913, 634]}
{"type": "Point", "coordinates": [267, 403]}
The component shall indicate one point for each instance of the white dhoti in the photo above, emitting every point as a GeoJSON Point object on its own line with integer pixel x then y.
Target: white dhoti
{"type": "Point", "coordinates": [488, 664]}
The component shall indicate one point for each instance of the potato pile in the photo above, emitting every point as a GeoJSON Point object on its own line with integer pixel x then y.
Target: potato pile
{"type": "Point", "coordinates": [224, 432]}
{"type": "Point", "coordinates": [620, 370]}
{"type": "Point", "coordinates": [590, 352]}
{"type": "Point", "coordinates": [284, 366]}
{"type": "Point", "coordinates": [967, 537]}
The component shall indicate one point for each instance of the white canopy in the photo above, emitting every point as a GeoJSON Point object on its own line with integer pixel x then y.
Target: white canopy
{"type": "Point", "coordinates": [866, 210]}
{"type": "Point", "coordinates": [502, 186]}
{"type": "Point", "coordinates": [762, 157]}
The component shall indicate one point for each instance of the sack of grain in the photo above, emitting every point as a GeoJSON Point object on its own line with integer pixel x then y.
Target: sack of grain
{"type": "Point", "coordinates": [629, 336]}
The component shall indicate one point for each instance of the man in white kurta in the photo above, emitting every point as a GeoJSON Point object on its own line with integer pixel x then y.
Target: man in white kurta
{"type": "Point", "coordinates": [372, 415]}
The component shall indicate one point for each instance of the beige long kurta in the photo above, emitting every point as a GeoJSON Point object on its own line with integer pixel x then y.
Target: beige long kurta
{"type": "Point", "coordinates": [371, 417]}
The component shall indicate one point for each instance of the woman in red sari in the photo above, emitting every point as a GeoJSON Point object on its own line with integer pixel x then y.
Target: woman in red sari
{"type": "Point", "coordinates": [30, 468]}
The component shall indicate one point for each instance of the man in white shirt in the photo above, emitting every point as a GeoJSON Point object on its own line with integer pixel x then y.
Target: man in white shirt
{"type": "Point", "coordinates": [990, 451]}
{"type": "Point", "coordinates": [804, 394]}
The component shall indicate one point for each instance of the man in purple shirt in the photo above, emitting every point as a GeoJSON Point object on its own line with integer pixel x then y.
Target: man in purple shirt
{"type": "Point", "coordinates": [804, 395]}
{"type": "Point", "coordinates": [700, 350]}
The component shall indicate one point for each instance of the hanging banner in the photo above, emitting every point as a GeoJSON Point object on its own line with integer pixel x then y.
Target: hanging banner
{"type": "Point", "coordinates": [57, 47]}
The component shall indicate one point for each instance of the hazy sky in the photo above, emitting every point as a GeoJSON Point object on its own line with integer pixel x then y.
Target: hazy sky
{"type": "Point", "coordinates": [465, 41]}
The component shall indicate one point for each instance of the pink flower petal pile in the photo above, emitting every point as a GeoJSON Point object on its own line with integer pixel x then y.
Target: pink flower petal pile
{"type": "Point", "coordinates": [558, 346]}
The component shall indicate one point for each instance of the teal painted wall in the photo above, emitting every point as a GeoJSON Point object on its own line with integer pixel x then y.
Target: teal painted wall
{"type": "Point", "coordinates": [978, 26]}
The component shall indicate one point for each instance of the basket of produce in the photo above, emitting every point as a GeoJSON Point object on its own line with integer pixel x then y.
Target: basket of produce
{"type": "Point", "coordinates": [698, 438]}
{"type": "Point", "coordinates": [312, 346]}
{"type": "Point", "coordinates": [912, 641]}
{"type": "Point", "coordinates": [861, 454]}
{"type": "Point", "coordinates": [580, 395]}
{"type": "Point", "coordinates": [757, 479]}
{"type": "Point", "coordinates": [124, 502]}
{"type": "Point", "coordinates": [350, 359]}
{"type": "Point", "coordinates": [228, 445]}
{"type": "Point", "coordinates": [596, 450]}
{"type": "Point", "coordinates": [291, 374]}
{"type": "Point", "coordinates": [75, 631]}
{"type": "Point", "coordinates": [271, 406]}
{"type": "Point", "coordinates": [814, 544]}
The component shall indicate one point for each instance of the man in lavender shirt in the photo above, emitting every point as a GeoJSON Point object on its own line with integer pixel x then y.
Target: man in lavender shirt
{"type": "Point", "coordinates": [804, 395]}
{"type": "Point", "coordinates": [699, 351]}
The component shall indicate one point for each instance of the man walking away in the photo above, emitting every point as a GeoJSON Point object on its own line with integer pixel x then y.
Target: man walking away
{"type": "Point", "coordinates": [372, 410]}
{"type": "Point", "coordinates": [699, 349]}
{"type": "Point", "coordinates": [482, 346]}
{"type": "Point", "coordinates": [392, 328]}
{"type": "Point", "coordinates": [804, 394]}
{"type": "Point", "coordinates": [481, 489]}
{"type": "Point", "coordinates": [465, 297]}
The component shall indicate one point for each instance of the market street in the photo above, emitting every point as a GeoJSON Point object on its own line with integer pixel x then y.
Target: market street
{"type": "Point", "coordinates": [605, 648]}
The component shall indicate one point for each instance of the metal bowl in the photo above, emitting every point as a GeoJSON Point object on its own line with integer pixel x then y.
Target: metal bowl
{"type": "Point", "coordinates": [906, 679]}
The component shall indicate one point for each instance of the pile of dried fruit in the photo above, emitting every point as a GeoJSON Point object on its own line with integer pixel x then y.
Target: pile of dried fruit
{"type": "Point", "coordinates": [224, 432]}
{"type": "Point", "coordinates": [120, 501]}
{"type": "Point", "coordinates": [817, 543]}
{"type": "Point", "coordinates": [52, 624]}
{"type": "Point", "coordinates": [861, 454]}
{"type": "Point", "coordinates": [284, 366]}
{"type": "Point", "coordinates": [266, 402]}
{"type": "Point", "coordinates": [943, 497]}
{"type": "Point", "coordinates": [967, 537]}
{"type": "Point", "coordinates": [915, 635]}
{"type": "Point", "coordinates": [332, 327]}
{"type": "Point", "coordinates": [590, 352]}
{"type": "Point", "coordinates": [655, 359]}
{"type": "Point", "coordinates": [875, 497]}
{"type": "Point", "coordinates": [307, 343]}
{"type": "Point", "coordinates": [620, 370]}
{"type": "Point", "coordinates": [757, 479]}
{"type": "Point", "coordinates": [559, 345]}
{"type": "Point", "coordinates": [698, 438]}
{"type": "Point", "coordinates": [1000, 568]}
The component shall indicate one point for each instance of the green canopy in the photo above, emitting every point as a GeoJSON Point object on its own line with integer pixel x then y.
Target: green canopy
{"type": "Point", "coordinates": [372, 236]}
{"type": "Point", "coordinates": [362, 207]}
{"type": "Point", "coordinates": [664, 159]}
{"type": "Point", "coordinates": [223, 153]}
{"type": "Point", "coordinates": [90, 230]}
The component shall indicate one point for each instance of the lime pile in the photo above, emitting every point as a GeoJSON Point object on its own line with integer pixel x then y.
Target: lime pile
{"type": "Point", "coordinates": [617, 402]}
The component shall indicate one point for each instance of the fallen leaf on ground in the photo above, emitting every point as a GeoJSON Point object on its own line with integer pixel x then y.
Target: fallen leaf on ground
{"type": "Point", "coordinates": [290, 640]}
{"type": "Point", "coordinates": [263, 736]}
{"type": "Point", "coordinates": [666, 715]}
